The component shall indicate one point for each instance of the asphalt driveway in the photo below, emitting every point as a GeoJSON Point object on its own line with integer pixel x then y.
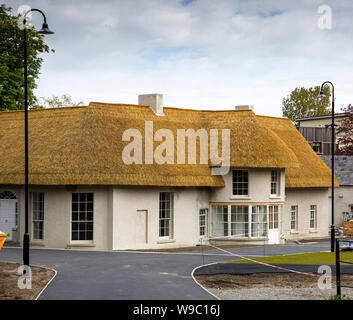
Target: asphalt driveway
{"type": "Point", "coordinates": [135, 275]}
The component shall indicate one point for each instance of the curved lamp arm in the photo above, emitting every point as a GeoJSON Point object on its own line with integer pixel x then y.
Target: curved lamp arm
{"type": "Point", "coordinates": [333, 89]}
{"type": "Point", "coordinates": [45, 29]}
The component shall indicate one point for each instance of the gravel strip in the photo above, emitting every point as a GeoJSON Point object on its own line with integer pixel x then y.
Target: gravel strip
{"type": "Point", "coordinates": [285, 293]}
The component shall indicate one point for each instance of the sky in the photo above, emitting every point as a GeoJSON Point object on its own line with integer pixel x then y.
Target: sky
{"type": "Point", "coordinates": [200, 54]}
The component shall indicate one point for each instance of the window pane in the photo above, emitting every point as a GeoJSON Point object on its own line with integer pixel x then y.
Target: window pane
{"type": "Point", "coordinates": [203, 221]}
{"type": "Point", "coordinates": [90, 206]}
{"type": "Point", "coordinates": [240, 182]}
{"type": "Point", "coordinates": [74, 216]}
{"type": "Point", "coordinates": [259, 221]}
{"type": "Point", "coordinates": [75, 206]}
{"type": "Point", "coordinates": [82, 235]}
{"type": "Point", "coordinates": [82, 219]}
{"type": "Point", "coordinates": [89, 226]}
{"type": "Point", "coordinates": [82, 216]}
{"type": "Point", "coordinates": [165, 213]}
{"type": "Point", "coordinates": [89, 216]}
{"type": "Point", "coordinates": [239, 221]}
{"type": "Point", "coordinates": [38, 215]}
{"type": "Point", "coordinates": [82, 206]}
{"type": "Point", "coordinates": [89, 235]}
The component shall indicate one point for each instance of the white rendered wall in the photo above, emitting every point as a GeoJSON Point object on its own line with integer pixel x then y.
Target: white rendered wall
{"type": "Point", "coordinates": [303, 198]}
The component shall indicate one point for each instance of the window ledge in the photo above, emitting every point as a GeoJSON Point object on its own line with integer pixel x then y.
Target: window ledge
{"type": "Point", "coordinates": [313, 231]}
{"type": "Point", "coordinates": [161, 241]}
{"type": "Point", "coordinates": [80, 244]}
{"type": "Point", "coordinates": [294, 232]}
{"type": "Point", "coordinates": [275, 197]}
{"type": "Point", "coordinates": [239, 239]}
{"type": "Point", "coordinates": [37, 243]}
{"type": "Point", "coordinates": [240, 198]}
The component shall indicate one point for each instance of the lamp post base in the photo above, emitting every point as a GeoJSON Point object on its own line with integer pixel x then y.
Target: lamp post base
{"type": "Point", "coordinates": [332, 238]}
{"type": "Point", "coordinates": [26, 249]}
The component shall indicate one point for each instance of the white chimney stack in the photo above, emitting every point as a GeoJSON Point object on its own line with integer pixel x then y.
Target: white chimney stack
{"type": "Point", "coordinates": [245, 107]}
{"type": "Point", "coordinates": [154, 101]}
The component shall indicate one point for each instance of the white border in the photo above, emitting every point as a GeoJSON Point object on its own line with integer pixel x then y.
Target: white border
{"type": "Point", "coordinates": [202, 287]}
{"type": "Point", "coordinates": [55, 273]}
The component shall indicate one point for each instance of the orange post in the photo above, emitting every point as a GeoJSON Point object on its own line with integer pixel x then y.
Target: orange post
{"type": "Point", "coordinates": [2, 239]}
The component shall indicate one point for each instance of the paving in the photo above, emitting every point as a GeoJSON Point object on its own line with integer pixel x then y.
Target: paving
{"type": "Point", "coordinates": [123, 275]}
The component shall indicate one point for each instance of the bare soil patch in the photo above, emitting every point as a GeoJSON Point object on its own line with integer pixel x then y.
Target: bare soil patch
{"type": "Point", "coordinates": [9, 289]}
{"type": "Point", "coordinates": [265, 280]}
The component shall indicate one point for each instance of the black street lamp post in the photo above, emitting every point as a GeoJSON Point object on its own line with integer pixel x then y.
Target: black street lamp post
{"type": "Point", "coordinates": [333, 147]}
{"type": "Point", "coordinates": [44, 30]}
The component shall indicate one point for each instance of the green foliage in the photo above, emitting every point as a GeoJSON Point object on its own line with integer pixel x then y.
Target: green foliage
{"type": "Point", "coordinates": [303, 102]}
{"type": "Point", "coordinates": [338, 297]}
{"type": "Point", "coordinates": [345, 133]}
{"type": "Point", "coordinates": [64, 101]}
{"type": "Point", "coordinates": [11, 62]}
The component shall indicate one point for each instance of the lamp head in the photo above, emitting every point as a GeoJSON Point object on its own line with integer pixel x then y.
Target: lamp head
{"type": "Point", "coordinates": [321, 96]}
{"type": "Point", "coordinates": [45, 29]}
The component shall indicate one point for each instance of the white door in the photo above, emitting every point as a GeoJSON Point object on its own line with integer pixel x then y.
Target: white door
{"type": "Point", "coordinates": [141, 227]}
{"type": "Point", "coordinates": [273, 229]}
{"type": "Point", "coordinates": [7, 216]}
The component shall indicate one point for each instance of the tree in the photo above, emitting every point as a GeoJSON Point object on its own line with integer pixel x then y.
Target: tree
{"type": "Point", "coordinates": [345, 133]}
{"type": "Point", "coordinates": [11, 62]}
{"type": "Point", "coordinates": [56, 102]}
{"type": "Point", "coordinates": [303, 102]}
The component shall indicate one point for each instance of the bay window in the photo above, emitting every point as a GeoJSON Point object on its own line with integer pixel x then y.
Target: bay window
{"type": "Point", "coordinates": [242, 221]}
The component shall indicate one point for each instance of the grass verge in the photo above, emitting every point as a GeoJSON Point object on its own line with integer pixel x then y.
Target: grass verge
{"type": "Point", "coordinates": [328, 258]}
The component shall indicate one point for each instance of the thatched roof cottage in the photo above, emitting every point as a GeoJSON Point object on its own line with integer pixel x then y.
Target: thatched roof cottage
{"type": "Point", "coordinates": [84, 194]}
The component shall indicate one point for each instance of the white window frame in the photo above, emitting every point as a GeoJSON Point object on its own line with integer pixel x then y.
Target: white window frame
{"type": "Point", "coordinates": [38, 202]}
{"type": "Point", "coordinates": [82, 221]}
{"type": "Point", "coordinates": [170, 219]}
{"type": "Point", "coordinates": [203, 224]}
{"type": "Point", "coordinates": [235, 195]}
{"type": "Point", "coordinates": [232, 224]}
{"type": "Point", "coordinates": [257, 212]}
{"type": "Point", "coordinates": [272, 222]}
{"type": "Point", "coordinates": [313, 211]}
{"type": "Point", "coordinates": [294, 213]}
{"type": "Point", "coordinates": [276, 183]}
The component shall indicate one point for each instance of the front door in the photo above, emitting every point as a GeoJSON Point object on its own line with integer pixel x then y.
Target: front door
{"type": "Point", "coordinates": [273, 229]}
{"type": "Point", "coordinates": [7, 216]}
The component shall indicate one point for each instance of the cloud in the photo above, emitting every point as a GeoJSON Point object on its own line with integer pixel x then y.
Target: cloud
{"type": "Point", "coordinates": [200, 54]}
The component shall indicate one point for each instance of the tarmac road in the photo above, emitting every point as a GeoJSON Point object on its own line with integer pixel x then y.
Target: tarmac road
{"type": "Point", "coordinates": [130, 275]}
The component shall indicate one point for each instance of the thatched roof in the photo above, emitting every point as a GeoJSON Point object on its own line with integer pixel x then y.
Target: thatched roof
{"type": "Point", "coordinates": [83, 146]}
{"type": "Point", "coordinates": [312, 171]}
